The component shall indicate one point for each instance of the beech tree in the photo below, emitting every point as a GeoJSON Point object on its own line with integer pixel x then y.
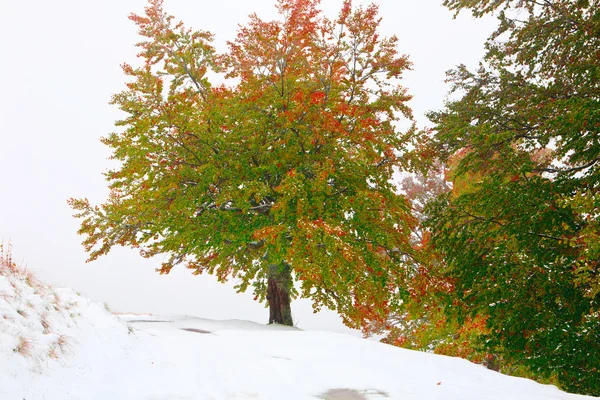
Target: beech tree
{"type": "Point", "coordinates": [519, 230]}
{"type": "Point", "coordinates": [280, 177]}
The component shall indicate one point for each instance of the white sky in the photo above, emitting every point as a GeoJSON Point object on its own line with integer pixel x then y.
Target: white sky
{"type": "Point", "coordinates": [59, 66]}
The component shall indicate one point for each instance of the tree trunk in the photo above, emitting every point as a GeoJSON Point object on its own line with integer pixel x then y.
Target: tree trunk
{"type": "Point", "coordinates": [278, 294]}
{"type": "Point", "coordinates": [492, 362]}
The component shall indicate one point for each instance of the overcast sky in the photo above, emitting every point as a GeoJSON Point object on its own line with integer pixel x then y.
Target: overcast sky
{"type": "Point", "coordinates": [59, 66]}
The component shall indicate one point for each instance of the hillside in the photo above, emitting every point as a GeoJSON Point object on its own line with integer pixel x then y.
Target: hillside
{"type": "Point", "coordinates": [57, 345]}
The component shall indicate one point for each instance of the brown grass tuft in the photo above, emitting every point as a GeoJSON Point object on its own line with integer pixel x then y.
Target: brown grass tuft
{"type": "Point", "coordinates": [53, 354]}
{"type": "Point", "coordinates": [45, 324]}
{"type": "Point", "coordinates": [31, 279]}
{"type": "Point", "coordinates": [6, 261]}
{"type": "Point", "coordinates": [64, 344]}
{"type": "Point", "coordinates": [6, 296]}
{"type": "Point", "coordinates": [24, 347]}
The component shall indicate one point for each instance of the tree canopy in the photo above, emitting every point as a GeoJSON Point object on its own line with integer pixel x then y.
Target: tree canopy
{"type": "Point", "coordinates": [279, 175]}
{"type": "Point", "coordinates": [519, 231]}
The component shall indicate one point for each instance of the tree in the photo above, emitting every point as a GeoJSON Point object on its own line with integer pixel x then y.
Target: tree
{"type": "Point", "coordinates": [431, 317]}
{"type": "Point", "coordinates": [423, 321]}
{"type": "Point", "coordinates": [519, 231]}
{"type": "Point", "coordinates": [281, 176]}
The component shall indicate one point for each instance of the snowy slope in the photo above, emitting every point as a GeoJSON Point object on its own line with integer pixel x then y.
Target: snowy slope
{"type": "Point", "coordinates": [82, 351]}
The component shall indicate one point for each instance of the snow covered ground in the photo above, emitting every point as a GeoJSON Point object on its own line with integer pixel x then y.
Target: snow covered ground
{"type": "Point", "coordinates": [57, 345]}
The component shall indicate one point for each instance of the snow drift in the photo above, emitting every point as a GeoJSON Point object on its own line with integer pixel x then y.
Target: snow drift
{"type": "Point", "coordinates": [57, 345]}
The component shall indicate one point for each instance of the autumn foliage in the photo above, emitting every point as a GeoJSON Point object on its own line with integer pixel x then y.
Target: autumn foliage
{"type": "Point", "coordinates": [279, 175]}
{"type": "Point", "coordinates": [272, 163]}
{"type": "Point", "coordinates": [518, 233]}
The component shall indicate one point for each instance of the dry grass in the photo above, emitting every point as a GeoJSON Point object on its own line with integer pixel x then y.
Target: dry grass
{"type": "Point", "coordinates": [31, 279]}
{"type": "Point", "coordinates": [6, 296]}
{"type": "Point", "coordinates": [53, 354]}
{"type": "Point", "coordinates": [15, 272]}
{"type": "Point", "coordinates": [45, 324]}
{"type": "Point", "coordinates": [15, 287]}
{"type": "Point", "coordinates": [24, 347]}
{"type": "Point", "coordinates": [6, 261]}
{"type": "Point", "coordinates": [56, 303]}
{"type": "Point", "coordinates": [26, 309]}
{"type": "Point", "coordinates": [64, 344]}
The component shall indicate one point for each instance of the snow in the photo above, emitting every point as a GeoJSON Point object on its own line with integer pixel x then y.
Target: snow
{"type": "Point", "coordinates": [78, 349]}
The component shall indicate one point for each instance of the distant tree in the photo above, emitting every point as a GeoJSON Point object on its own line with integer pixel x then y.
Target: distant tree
{"type": "Point", "coordinates": [519, 231]}
{"type": "Point", "coordinates": [281, 175]}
